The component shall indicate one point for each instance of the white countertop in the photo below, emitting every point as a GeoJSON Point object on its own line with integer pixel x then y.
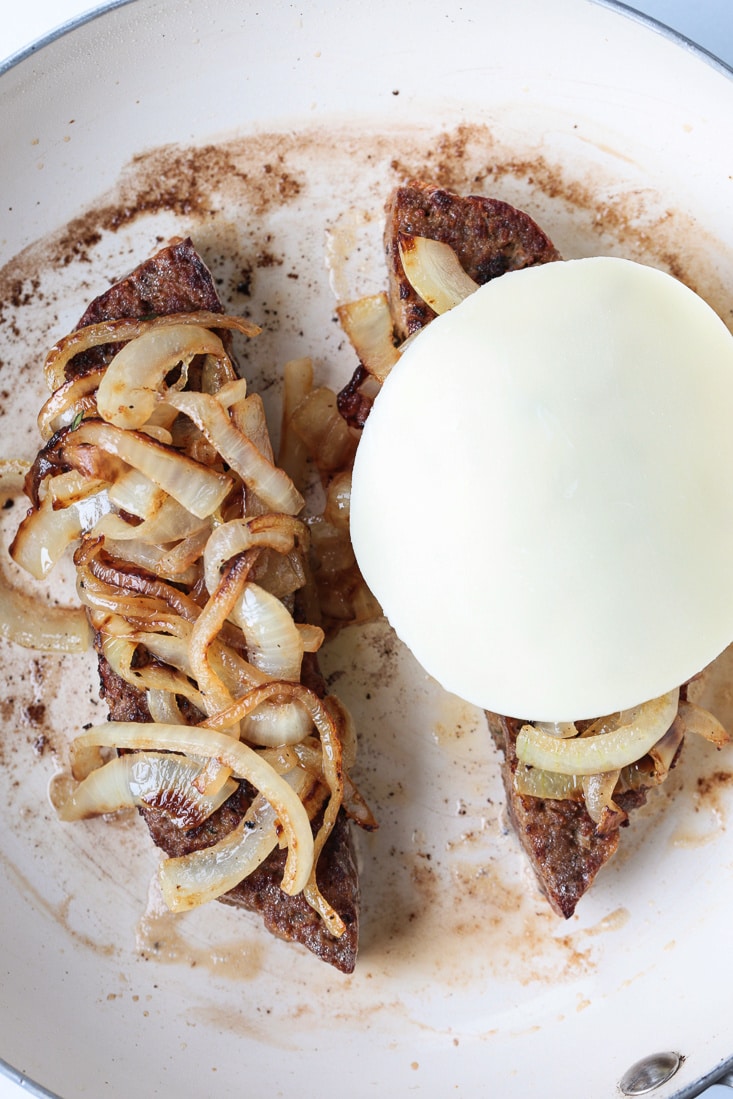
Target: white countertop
{"type": "Point", "coordinates": [708, 23]}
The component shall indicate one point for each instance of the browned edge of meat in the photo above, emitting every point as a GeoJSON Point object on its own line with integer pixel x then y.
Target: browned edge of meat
{"type": "Point", "coordinates": [176, 280]}
{"type": "Point", "coordinates": [489, 236]}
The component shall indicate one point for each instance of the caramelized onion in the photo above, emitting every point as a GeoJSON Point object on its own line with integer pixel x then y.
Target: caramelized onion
{"type": "Point", "coordinates": [134, 381]}
{"type": "Point", "coordinates": [598, 791]}
{"type": "Point", "coordinates": [204, 875]}
{"type": "Point", "coordinates": [606, 752]}
{"type": "Point", "coordinates": [208, 627]}
{"type": "Point", "coordinates": [159, 466]}
{"type": "Point", "coordinates": [146, 779]}
{"type": "Point", "coordinates": [63, 406]}
{"type": "Point", "coordinates": [701, 722]}
{"type": "Point", "coordinates": [274, 644]}
{"type": "Point", "coordinates": [297, 384]}
{"type": "Point", "coordinates": [127, 328]}
{"type": "Point", "coordinates": [368, 324]}
{"type": "Point", "coordinates": [46, 532]}
{"type": "Point", "coordinates": [323, 430]}
{"type": "Point", "coordinates": [434, 272]}
{"type": "Point", "coordinates": [197, 488]}
{"type": "Point", "coordinates": [272, 485]}
{"type": "Point", "coordinates": [31, 622]}
{"type": "Point", "coordinates": [277, 532]}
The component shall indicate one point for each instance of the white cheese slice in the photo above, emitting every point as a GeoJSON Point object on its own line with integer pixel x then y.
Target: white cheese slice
{"type": "Point", "coordinates": [542, 498]}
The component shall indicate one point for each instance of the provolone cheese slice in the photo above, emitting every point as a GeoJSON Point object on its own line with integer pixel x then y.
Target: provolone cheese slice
{"type": "Point", "coordinates": [542, 499]}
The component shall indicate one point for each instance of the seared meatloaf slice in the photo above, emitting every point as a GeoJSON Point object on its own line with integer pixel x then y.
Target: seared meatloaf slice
{"type": "Point", "coordinates": [176, 279]}
{"type": "Point", "coordinates": [490, 238]}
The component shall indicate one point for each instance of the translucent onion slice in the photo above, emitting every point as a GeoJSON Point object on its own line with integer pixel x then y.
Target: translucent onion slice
{"type": "Point", "coordinates": [46, 532]}
{"type": "Point", "coordinates": [96, 569]}
{"type": "Point", "coordinates": [119, 653]}
{"type": "Point", "coordinates": [561, 729]}
{"type": "Point", "coordinates": [136, 494]}
{"type": "Point", "coordinates": [434, 272]}
{"type": "Point", "coordinates": [602, 809]}
{"type": "Point", "coordinates": [206, 630]}
{"type": "Point", "coordinates": [297, 384]}
{"type": "Point", "coordinates": [537, 783]}
{"type": "Point", "coordinates": [244, 763]}
{"type": "Point", "coordinates": [323, 430]}
{"type": "Point", "coordinates": [27, 621]}
{"type": "Point", "coordinates": [274, 643]}
{"type": "Point", "coordinates": [154, 780]}
{"type": "Point", "coordinates": [249, 416]}
{"type": "Point", "coordinates": [163, 707]}
{"type": "Point", "coordinates": [663, 754]}
{"type": "Point", "coordinates": [274, 724]}
{"type": "Point", "coordinates": [232, 393]}
{"type": "Point", "coordinates": [170, 523]}
{"type": "Point", "coordinates": [368, 324]}
{"type": "Point", "coordinates": [156, 559]}
{"type": "Point", "coordinates": [63, 406]}
{"type": "Point", "coordinates": [204, 875]}
{"type": "Point", "coordinates": [134, 381]}
{"type": "Point", "coordinates": [608, 751]}
{"type": "Point", "coordinates": [199, 489]}
{"type": "Point", "coordinates": [701, 722]}
{"type": "Point", "coordinates": [309, 756]}
{"type": "Point", "coordinates": [124, 328]}
{"type": "Point", "coordinates": [272, 485]}
{"type": "Point", "coordinates": [34, 624]}
{"type": "Point", "coordinates": [327, 721]}
{"type": "Point", "coordinates": [337, 510]}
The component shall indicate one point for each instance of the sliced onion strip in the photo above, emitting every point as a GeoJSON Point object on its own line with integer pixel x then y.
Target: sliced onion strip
{"type": "Point", "coordinates": [702, 723]}
{"type": "Point", "coordinates": [63, 406]}
{"type": "Point", "coordinates": [606, 752]}
{"type": "Point", "coordinates": [272, 485]}
{"type": "Point", "coordinates": [602, 809]}
{"type": "Point", "coordinates": [199, 489]}
{"type": "Point", "coordinates": [278, 532]}
{"type": "Point", "coordinates": [274, 643]}
{"type": "Point", "coordinates": [434, 271]}
{"type": "Point", "coordinates": [134, 381]}
{"type": "Point", "coordinates": [146, 779]}
{"type": "Point", "coordinates": [208, 627]}
{"type": "Point", "coordinates": [368, 324]}
{"type": "Point", "coordinates": [204, 875]}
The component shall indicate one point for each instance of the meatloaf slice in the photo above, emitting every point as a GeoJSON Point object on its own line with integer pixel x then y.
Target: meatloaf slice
{"type": "Point", "coordinates": [490, 238]}
{"type": "Point", "coordinates": [175, 280]}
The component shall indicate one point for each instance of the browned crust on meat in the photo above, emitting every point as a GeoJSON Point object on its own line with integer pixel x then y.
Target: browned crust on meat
{"type": "Point", "coordinates": [558, 837]}
{"type": "Point", "coordinates": [176, 280]}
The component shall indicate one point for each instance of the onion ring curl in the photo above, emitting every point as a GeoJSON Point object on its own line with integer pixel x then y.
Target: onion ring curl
{"type": "Point", "coordinates": [326, 726]}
